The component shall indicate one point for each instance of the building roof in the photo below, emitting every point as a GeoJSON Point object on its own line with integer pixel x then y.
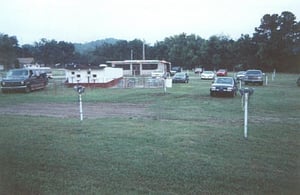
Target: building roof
{"type": "Point", "coordinates": [85, 67]}
{"type": "Point", "coordinates": [137, 62]}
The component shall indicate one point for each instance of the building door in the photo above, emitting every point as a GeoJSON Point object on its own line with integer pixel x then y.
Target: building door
{"type": "Point", "coordinates": [136, 69]}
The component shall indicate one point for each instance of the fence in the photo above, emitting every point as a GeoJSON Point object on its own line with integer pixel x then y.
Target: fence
{"type": "Point", "coordinates": [141, 82]}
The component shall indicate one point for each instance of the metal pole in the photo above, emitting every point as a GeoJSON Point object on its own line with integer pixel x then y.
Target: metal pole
{"type": "Point", "coordinates": [165, 85]}
{"type": "Point", "coordinates": [144, 50]}
{"type": "Point", "coordinates": [246, 115]}
{"type": "Point", "coordinates": [80, 107]}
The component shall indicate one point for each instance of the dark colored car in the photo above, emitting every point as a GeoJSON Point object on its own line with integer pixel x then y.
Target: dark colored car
{"type": "Point", "coordinates": [223, 86]}
{"type": "Point", "coordinates": [221, 72]}
{"type": "Point", "coordinates": [175, 69]}
{"type": "Point", "coordinates": [180, 77]}
{"type": "Point", "coordinates": [24, 80]}
{"type": "Point", "coordinates": [298, 82]}
{"type": "Point", "coordinates": [254, 77]}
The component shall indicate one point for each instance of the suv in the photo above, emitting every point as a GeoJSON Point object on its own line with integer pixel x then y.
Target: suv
{"type": "Point", "coordinates": [254, 76]}
{"type": "Point", "coordinates": [24, 79]}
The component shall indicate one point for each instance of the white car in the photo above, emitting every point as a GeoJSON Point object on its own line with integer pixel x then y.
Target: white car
{"type": "Point", "coordinates": [157, 73]}
{"type": "Point", "coordinates": [207, 75]}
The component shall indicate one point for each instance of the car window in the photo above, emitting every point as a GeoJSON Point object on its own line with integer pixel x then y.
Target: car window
{"type": "Point", "coordinates": [224, 80]}
{"type": "Point", "coordinates": [17, 73]}
{"type": "Point", "coordinates": [253, 72]}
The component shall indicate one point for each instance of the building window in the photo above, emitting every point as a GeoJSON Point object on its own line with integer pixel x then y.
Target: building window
{"type": "Point", "coordinates": [149, 66]}
{"type": "Point", "coordinates": [124, 66]}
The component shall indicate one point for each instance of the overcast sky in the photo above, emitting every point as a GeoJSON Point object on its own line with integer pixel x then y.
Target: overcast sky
{"type": "Point", "coordinates": [150, 20]}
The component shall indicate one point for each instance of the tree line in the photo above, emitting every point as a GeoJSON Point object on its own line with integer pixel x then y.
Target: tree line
{"type": "Point", "coordinates": [275, 44]}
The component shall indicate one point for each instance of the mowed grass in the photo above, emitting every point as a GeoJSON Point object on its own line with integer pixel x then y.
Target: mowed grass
{"type": "Point", "coordinates": [193, 144]}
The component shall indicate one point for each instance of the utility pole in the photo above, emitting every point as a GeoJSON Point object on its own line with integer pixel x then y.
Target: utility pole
{"type": "Point", "coordinates": [144, 50]}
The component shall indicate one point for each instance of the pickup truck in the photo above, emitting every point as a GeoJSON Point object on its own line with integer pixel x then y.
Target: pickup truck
{"type": "Point", "coordinates": [24, 79]}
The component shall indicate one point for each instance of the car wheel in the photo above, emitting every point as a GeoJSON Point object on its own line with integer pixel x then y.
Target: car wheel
{"type": "Point", "coordinates": [232, 94]}
{"type": "Point", "coordinates": [27, 89]}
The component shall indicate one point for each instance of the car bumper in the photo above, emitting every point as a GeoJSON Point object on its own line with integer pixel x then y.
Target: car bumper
{"type": "Point", "coordinates": [13, 87]}
{"type": "Point", "coordinates": [207, 77]}
{"type": "Point", "coordinates": [179, 81]}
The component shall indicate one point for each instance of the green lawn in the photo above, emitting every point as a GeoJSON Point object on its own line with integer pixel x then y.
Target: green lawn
{"type": "Point", "coordinates": [193, 144]}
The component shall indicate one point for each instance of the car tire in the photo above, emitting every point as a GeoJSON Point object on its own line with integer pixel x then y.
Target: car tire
{"type": "Point", "coordinates": [233, 94]}
{"type": "Point", "coordinates": [27, 89]}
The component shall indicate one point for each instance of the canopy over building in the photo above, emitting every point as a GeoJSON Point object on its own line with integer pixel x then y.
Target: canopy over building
{"type": "Point", "coordinates": [141, 67]}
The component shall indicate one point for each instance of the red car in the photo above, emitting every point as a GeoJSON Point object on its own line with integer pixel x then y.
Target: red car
{"type": "Point", "coordinates": [222, 72]}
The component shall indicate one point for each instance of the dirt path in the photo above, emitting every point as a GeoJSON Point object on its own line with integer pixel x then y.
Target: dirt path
{"type": "Point", "coordinates": [90, 110]}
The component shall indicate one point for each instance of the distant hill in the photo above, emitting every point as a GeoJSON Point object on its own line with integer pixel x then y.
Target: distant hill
{"type": "Point", "coordinates": [90, 46]}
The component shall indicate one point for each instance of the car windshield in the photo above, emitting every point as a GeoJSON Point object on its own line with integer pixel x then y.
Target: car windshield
{"type": "Point", "coordinates": [17, 73]}
{"type": "Point", "coordinates": [224, 81]}
{"type": "Point", "coordinates": [208, 72]}
{"type": "Point", "coordinates": [253, 72]}
{"type": "Point", "coordinates": [179, 75]}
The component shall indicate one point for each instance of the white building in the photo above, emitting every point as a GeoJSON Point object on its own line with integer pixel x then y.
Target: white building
{"type": "Point", "coordinates": [141, 67]}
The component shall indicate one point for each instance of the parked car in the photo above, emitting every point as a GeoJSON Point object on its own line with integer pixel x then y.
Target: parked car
{"type": "Point", "coordinates": [175, 69]}
{"type": "Point", "coordinates": [224, 86]}
{"type": "Point", "coordinates": [24, 79]}
{"type": "Point", "coordinates": [254, 76]}
{"type": "Point", "coordinates": [207, 75]}
{"type": "Point", "coordinates": [157, 73]}
{"type": "Point", "coordinates": [240, 75]}
{"type": "Point", "coordinates": [222, 72]}
{"type": "Point", "coordinates": [198, 70]}
{"type": "Point", "coordinates": [180, 77]}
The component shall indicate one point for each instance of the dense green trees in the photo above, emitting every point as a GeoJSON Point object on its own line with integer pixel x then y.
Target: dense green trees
{"type": "Point", "coordinates": [275, 44]}
{"type": "Point", "coordinates": [8, 50]}
{"type": "Point", "coordinates": [53, 52]}
{"type": "Point", "coordinates": [278, 41]}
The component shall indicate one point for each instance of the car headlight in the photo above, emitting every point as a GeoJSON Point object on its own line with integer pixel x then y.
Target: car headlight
{"type": "Point", "coordinates": [229, 89]}
{"type": "Point", "coordinates": [213, 88]}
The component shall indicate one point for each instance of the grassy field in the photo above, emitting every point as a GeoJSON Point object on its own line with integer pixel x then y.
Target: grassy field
{"type": "Point", "coordinates": [193, 144]}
